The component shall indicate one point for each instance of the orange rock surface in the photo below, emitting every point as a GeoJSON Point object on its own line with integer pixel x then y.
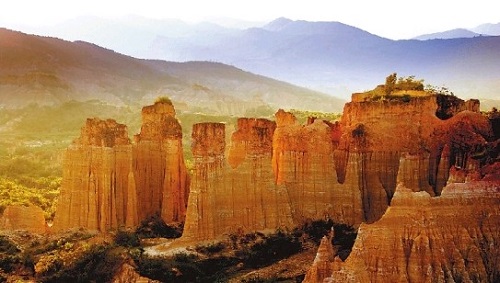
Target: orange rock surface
{"type": "Point", "coordinates": [25, 218]}
{"type": "Point", "coordinates": [160, 173]}
{"type": "Point", "coordinates": [109, 183]}
{"type": "Point", "coordinates": [236, 194]}
{"type": "Point", "coordinates": [98, 188]}
{"type": "Point", "coordinates": [450, 238]}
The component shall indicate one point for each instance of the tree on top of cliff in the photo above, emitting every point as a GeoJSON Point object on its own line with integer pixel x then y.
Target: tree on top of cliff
{"type": "Point", "coordinates": [400, 89]}
{"type": "Point", "coordinates": [163, 99]}
{"type": "Point", "coordinates": [409, 83]}
{"type": "Point", "coordinates": [390, 82]}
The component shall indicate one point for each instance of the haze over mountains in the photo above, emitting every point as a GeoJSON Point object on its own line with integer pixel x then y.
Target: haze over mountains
{"type": "Point", "coordinates": [481, 30]}
{"type": "Point", "coordinates": [327, 56]}
{"type": "Point", "coordinates": [46, 70]}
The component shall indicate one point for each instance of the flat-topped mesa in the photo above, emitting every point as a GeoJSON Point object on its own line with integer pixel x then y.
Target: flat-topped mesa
{"type": "Point", "coordinates": [98, 188]}
{"type": "Point", "coordinates": [159, 123]}
{"type": "Point", "coordinates": [160, 173]}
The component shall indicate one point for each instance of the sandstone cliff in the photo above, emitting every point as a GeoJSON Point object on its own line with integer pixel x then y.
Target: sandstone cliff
{"type": "Point", "coordinates": [109, 183]}
{"type": "Point", "coordinates": [26, 218]}
{"type": "Point", "coordinates": [160, 173]}
{"type": "Point", "coordinates": [402, 140]}
{"type": "Point", "coordinates": [304, 166]}
{"type": "Point", "coordinates": [345, 171]}
{"type": "Point", "coordinates": [98, 188]}
{"type": "Point", "coordinates": [236, 194]}
{"type": "Point", "coordinates": [450, 238]}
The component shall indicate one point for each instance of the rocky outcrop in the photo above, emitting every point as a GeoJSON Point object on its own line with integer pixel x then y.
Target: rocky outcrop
{"type": "Point", "coordinates": [402, 140]}
{"type": "Point", "coordinates": [323, 262]}
{"type": "Point", "coordinates": [110, 183]}
{"type": "Point", "coordinates": [233, 195]}
{"type": "Point", "coordinates": [160, 173]}
{"type": "Point", "coordinates": [127, 273]}
{"type": "Point", "coordinates": [449, 238]}
{"type": "Point", "coordinates": [304, 162]}
{"type": "Point", "coordinates": [98, 190]}
{"type": "Point", "coordinates": [26, 218]}
{"type": "Point", "coordinates": [345, 171]}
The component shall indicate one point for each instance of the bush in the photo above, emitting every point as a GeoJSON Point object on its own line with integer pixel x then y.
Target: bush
{"type": "Point", "coordinates": [98, 264]}
{"type": "Point", "coordinates": [211, 248]}
{"type": "Point", "coordinates": [7, 246]}
{"type": "Point", "coordinates": [163, 99]}
{"type": "Point", "coordinates": [344, 235]}
{"type": "Point", "coordinates": [127, 239]}
{"type": "Point", "coordinates": [317, 229]}
{"type": "Point", "coordinates": [155, 227]}
{"type": "Point", "coordinates": [170, 269]}
{"type": "Point", "coordinates": [270, 249]}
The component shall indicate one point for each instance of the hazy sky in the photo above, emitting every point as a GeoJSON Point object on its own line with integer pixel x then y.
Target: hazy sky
{"type": "Point", "coordinates": [389, 18]}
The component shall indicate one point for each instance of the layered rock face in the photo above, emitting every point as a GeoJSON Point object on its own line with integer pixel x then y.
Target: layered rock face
{"type": "Point", "coordinates": [450, 238]}
{"type": "Point", "coordinates": [160, 172]}
{"type": "Point", "coordinates": [441, 222]}
{"type": "Point", "coordinates": [26, 218]}
{"type": "Point", "coordinates": [109, 183]}
{"type": "Point", "coordinates": [345, 171]}
{"type": "Point", "coordinates": [304, 165]}
{"type": "Point", "coordinates": [322, 265]}
{"type": "Point", "coordinates": [237, 194]}
{"type": "Point", "coordinates": [98, 189]}
{"type": "Point", "coordinates": [404, 141]}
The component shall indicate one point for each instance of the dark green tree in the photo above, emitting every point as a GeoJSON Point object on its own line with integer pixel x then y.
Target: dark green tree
{"type": "Point", "coordinates": [390, 82]}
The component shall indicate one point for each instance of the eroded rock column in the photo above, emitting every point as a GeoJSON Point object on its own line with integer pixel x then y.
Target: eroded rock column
{"type": "Point", "coordinates": [97, 192]}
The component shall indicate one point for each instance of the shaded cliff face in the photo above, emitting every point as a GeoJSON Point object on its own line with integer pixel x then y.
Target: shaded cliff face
{"type": "Point", "coordinates": [98, 187]}
{"type": "Point", "coordinates": [450, 238]}
{"type": "Point", "coordinates": [160, 173]}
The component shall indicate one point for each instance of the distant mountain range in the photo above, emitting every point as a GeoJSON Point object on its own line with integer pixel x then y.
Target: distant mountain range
{"type": "Point", "coordinates": [330, 57]}
{"type": "Point", "coordinates": [44, 70]}
{"type": "Point", "coordinates": [482, 30]}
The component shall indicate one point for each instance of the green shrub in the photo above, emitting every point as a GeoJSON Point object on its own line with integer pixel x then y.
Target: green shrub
{"type": "Point", "coordinates": [317, 229]}
{"type": "Point", "coordinates": [170, 270]}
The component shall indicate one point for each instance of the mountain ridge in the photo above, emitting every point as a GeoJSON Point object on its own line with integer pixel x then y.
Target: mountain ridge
{"type": "Point", "coordinates": [329, 57]}
{"type": "Point", "coordinates": [49, 70]}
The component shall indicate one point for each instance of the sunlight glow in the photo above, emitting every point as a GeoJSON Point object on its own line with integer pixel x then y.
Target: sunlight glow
{"type": "Point", "coordinates": [389, 18]}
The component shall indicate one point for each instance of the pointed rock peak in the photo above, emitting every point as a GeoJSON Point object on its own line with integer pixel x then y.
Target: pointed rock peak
{"type": "Point", "coordinates": [325, 250]}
